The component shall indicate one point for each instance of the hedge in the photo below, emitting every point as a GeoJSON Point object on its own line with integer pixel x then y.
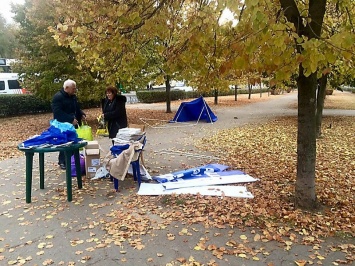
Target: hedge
{"type": "Point", "coordinates": [22, 104]}
{"type": "Point", "coordinates": [13, 105]}
{"type": "Point", "coordinates": [155, 96]}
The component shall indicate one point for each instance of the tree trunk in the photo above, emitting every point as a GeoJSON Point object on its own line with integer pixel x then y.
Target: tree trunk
{"type": "Point", "coordinates": [305, 193]}
{"type": "Point", "coordinates": [168, 95]}
{"type": "Point", "coordinates": [215, 96]}
{"type": "Point", "coordinates": [261, 91]}
{"type": "Point", "coordinates": [320, 104]}
{"type": "Point", "coordinates": [235, 92]}
{"type": "Point", "coordinates": [249, 90]}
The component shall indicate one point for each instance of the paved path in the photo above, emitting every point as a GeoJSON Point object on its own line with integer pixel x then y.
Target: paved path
{"type": "Point", "coordinates": [51, 230]}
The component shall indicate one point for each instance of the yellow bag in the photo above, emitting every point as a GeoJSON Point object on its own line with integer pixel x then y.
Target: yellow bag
{"type": "Point", "coordinates": [102, 129]}
{"type": "Point", "coordinates": [84, 131]}
{"type": "Point", "coordinates": [102, 132]}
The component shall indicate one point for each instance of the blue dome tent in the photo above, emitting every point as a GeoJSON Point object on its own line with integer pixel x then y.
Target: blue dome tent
{"type": "Point", "coordinates": [194, 110]}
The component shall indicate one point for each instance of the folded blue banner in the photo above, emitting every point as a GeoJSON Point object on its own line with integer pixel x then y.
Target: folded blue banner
{"type": "Point", "coordinates": [191, 173]}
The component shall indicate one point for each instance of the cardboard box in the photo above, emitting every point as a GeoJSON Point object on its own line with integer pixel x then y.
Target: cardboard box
{"type": "Point", "coordinates": [92, 158]}
{"type": "Point", "coordinates": [92, 145]}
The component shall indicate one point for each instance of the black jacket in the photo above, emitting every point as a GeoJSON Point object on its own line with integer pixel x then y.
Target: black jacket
{"type": "Point", "coordinates": [65, 107]}
{"type": "Point", "coordinates": [115, 114]}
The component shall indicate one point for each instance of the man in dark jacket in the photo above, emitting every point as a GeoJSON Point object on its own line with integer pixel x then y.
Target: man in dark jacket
{"type": "Point", "coordinates": [66, 108]}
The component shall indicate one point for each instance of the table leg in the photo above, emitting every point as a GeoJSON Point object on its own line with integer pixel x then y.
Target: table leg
{"type": "Point", "coordinates": [68, 175]}
{"type": "Point", "coordinates": [78, 168]}
{"type": "Point", "coordinates": [29, 166]}
{"type": "Point", "coordinates": [41, 170]}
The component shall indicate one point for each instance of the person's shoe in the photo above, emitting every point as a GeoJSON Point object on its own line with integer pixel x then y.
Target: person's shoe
{"type": "Point", "coordinates": [62, 166]}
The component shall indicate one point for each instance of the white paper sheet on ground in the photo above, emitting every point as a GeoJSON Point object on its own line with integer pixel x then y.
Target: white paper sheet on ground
{"type": "Point", "coordinates": [213, 179]}
{"type": "Point", "coordinates": [149, 189]}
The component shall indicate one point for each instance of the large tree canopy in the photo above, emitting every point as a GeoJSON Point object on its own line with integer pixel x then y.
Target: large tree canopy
{"type": "Point", "coordinates": [45, 65]}
{"type": "Point", "coordinates": [8, 41]}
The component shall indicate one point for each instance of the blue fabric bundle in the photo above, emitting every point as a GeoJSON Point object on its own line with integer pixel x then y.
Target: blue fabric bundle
{"type": "Point", "coordinates": [118, 149]}
{"type": "Point", "coordinates": [198, 171]}
{"type": "Point", "coordinates": [191, 173]}
{"type": "Point", "coordinates": [58, 133]}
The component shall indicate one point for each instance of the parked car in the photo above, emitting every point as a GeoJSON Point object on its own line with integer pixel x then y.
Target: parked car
{"type": "Point", "coordinates": [9, 84]}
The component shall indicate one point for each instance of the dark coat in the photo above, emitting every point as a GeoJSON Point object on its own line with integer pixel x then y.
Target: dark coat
{"type": "Point", "coordinates": [115, 114]}
{"type": "Point", "coordinates": [65, 107]}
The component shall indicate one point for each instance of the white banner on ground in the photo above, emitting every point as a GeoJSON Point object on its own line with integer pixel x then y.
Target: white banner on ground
{"type": "Point", "coordinates": [221, 191]}
{"type": "Point", "coordinates": [213, 179]}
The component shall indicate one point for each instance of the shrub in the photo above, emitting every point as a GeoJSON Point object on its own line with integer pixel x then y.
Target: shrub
{"type": "Point", "coordinates": [13, 105]}
{"type": "Point", "coordinates": [155, 96]}
{"type": "Point", "coordinates": [160, 96]}
{"type": "Point", "coordinates": [22, 104]}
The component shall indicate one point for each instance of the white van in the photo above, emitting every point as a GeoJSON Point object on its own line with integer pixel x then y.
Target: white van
{"type": "Point", "coordinates": [9, 84]}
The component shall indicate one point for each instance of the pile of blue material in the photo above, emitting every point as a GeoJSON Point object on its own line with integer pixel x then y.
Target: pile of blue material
{"type": "Point", "coordinates": [57, 134]}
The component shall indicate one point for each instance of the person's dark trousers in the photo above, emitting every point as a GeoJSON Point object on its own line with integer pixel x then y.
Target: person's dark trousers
{"type": "Point", "coordinates": [61, 158]}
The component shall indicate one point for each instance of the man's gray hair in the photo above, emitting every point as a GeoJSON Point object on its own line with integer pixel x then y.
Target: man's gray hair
{"type": "Point", "coordinates": [68, 83]}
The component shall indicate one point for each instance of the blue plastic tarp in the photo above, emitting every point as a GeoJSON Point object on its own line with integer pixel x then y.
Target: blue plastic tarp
{"type": "Point", "coordinates": [58, 133]}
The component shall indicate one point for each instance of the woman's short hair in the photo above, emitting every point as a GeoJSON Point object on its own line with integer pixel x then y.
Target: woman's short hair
{"type": "Point", "coordinates": [111, 89]}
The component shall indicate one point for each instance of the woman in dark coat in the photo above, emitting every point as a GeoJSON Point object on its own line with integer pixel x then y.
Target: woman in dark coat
{"type": "Point", "coordinates": [114, 111]}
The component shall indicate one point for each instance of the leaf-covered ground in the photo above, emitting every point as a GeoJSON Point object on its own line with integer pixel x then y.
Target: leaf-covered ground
{"type": "Point", "coordinates": [269, 152]}
{"type": "Point", "coordinates": [266, 151]}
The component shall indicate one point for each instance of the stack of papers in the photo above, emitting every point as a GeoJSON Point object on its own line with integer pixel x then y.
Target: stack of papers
{"type": "Point", "coordinates": [128, 131]}
{"type": "Point", "coordinates": [128, 135]}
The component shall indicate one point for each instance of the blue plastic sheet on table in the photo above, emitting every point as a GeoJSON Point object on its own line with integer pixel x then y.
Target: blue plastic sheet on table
{"type": "Point", "coordinates": [62, 126]}
{"type": "Point", "coordinates": [191, 173]}
{"type": "Point", "coordinates": [53, 136]}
